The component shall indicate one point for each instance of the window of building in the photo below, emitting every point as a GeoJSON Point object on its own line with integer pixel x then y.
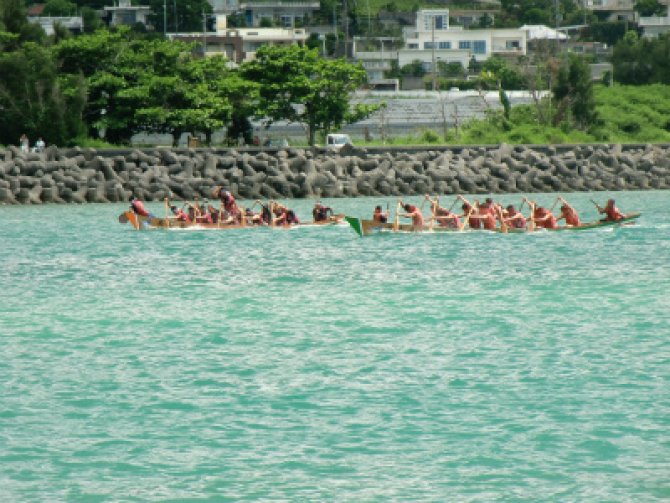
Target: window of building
{"type": "Point", "coordinates": [286, 21]}
{"type": "Point", "coordinates": [464, 44]}
{"type": "Point", "coordinates": [441, 22]}
{"type": "Point", "coordinates": [512, 44]}
{"type": "Point", "coordinates": [429, 45]}
{"type": "Point", "coordinates": [445, 45]}
{"type": "Point", "coordinates": [412, 46]}
{"type": "Point", "coordinates": [479, 47]}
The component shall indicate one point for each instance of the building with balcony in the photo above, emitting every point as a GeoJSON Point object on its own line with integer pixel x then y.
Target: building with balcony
{"type": "Point", "coordinates": [284, 13]}
{"type": "Point", "coordinates": [432, 40]}
{"type": "Point", "coordinates": [653, 26]}
{"type": "Point", "coordinates": [376, 55]}
{"type": "Point", "coordinates": [74, 24]}
{"type": "Point", "coordinates": [613, 10]}
{"type": "Point", "coordinates": [240, 44]}
{"type": "Point", "coordinates": [124, 13]}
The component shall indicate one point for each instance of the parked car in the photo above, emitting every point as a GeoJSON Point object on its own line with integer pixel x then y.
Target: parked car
{"type": "Point", "coordinates": [337, 140]}
{"type": "Point", "coordinates": [276, 142]}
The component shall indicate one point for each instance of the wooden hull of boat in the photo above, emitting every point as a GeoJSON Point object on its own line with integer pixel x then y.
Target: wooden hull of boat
{"type": "Point", "coordinates": [140, 223]}
{"type": "Point", "coordinates": [368, 227]}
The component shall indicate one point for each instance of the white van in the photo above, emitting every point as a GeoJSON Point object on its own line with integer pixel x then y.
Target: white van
{"type": "Point", "coordinates": [337, 140]}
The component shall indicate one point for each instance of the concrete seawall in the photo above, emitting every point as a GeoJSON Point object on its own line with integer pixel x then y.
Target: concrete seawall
{"type": "Point", "coordinates": [97, 176]}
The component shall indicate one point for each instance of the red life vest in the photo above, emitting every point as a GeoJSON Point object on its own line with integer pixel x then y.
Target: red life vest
{"type": "Point", "coordinates": [138, 207]}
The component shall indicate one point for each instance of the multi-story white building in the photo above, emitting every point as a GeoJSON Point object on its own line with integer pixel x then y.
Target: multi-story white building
{"type": "Point", "coordinates": [613, 10]}
{"type": "Point", "coordinates": [432, 40]}
{"type": "Point", "coordinates": [241, 44]}
{"type": "Point", "coordinates": [280, 12]}
{"type": "Point", "coordinates": [126, 13]}
{"type": "Point", "coordinates": [653, 26]}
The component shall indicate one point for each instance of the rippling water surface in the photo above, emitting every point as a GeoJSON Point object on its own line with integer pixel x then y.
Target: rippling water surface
{"type": "Point", "coordinates": [310, 364]}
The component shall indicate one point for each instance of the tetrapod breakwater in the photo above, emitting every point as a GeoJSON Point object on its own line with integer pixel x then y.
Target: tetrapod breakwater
{"type": "Point", "coordinates": [87, 175]}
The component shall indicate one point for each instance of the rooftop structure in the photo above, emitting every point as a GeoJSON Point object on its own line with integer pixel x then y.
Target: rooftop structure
{"type": "Point", "coordinates": [124, 13]}
{"type": "Point", "coordinates": [241, 44]}
{"type": "Point", "coordinates": [284, 13]}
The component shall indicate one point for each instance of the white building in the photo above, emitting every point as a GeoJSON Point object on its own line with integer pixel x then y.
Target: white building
{"type": "Point", "coordinates": [432, 40]}
{"type": "Point", "coordinates": [653, 26]}
{"type": "Point", "coordinates": [283, 13]}
{"type": "Point", "coordinates": [613, 10]}
{"type": "Point", "coordinates": [124, 13]}
{"type": "Point", "coordinates": [73, 23]}
{"type": "Point", "coordinates": [241, 44]}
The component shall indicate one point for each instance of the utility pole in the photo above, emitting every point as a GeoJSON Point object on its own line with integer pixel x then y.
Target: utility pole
{"type": "Point", "coordinates": [204, 34]}
{"type": "Point", "coordinates": [346, 30]}
{"type": "Point", "coordinates": [164, 18]}
{"type": "Point", "coordinates": [176, 21]}
{"type": "Point", "coordinates": [433, 51]}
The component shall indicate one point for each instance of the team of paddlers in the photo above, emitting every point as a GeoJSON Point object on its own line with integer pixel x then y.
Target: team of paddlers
{"type": "Point", "coordinates": [489, 215]}
{"type": "Point", "coordinates": [486, 215]}
{"type": "Point", "coordinates": [270, 213]}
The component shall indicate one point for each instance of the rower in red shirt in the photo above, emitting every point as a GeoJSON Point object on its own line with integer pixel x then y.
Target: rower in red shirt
{"type": "Point", "coordinates": [569, 214]}
{"type": "Point", "coordinates": [444, 217]}
{"type": "Point", "coordinates": [414, 213]}
{"type": "Point", "coordinates": [488, 214]}
{"type": "Point", "coordinates": [380, 217]}
{"type": "Point", "coordinates": [138, 207]}
{"type": "Point", "coordinates": [544, 218]}
{"type": "Point", "coordinates": [612, 213]}
{"type": "Point", "coordinates": [515, 218]}
{"type": "Point", "coordinates": [470, 213]}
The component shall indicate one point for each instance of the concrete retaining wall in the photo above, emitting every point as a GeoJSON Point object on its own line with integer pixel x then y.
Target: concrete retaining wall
{"type": "Point", "coordinates": [98, 176]}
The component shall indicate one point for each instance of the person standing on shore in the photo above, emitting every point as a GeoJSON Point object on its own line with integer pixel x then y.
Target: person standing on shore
{"type": "Point", "coordinates": [24, 142]}
{"type": "Point", "coordinates": [40, 145]}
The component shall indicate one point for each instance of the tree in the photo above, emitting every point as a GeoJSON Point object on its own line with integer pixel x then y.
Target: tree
{"type": "Point", "coordinates": [152, 85]}
{"type": "Point", "coordinates": [573, 93]}
{"type": "Point", "coordinates": [642, 61]}
{"type": "Point", "coordinates": [12, 15]}
{"type": "Point", "coordinates": [91, 19]}
{"type": "Point", "coordinates": [297, 85]}
{"type": "Point", "coordinates": [649, 8]}
{"type": "Point", "coordinates": [188, 16]}
{"type": "Point", "coordinates": [36, 100]}
{"type": "Point", "coordinates": [59, 8]}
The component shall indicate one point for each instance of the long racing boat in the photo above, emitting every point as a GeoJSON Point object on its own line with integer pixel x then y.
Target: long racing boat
{"type": "Point", "coordinates": [364, 227]}
{"type": "Point", "coordinates": [140, 222]}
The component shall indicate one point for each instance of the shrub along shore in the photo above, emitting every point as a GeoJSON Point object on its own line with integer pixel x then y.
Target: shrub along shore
{"type": "Point", "coordinates": [98, 176]}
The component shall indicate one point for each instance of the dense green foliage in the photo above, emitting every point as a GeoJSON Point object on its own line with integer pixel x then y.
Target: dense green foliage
{"type": "Point", "coordinates": [642, 60]}
{"type": "Point", "coordinates": [116, 83]}
{"type": "Point", "coordinates": [626, 114]}
{"type": "Point", "coordinates": [36, 99]}
{"type": "Point", "coordinates": [294, 75]}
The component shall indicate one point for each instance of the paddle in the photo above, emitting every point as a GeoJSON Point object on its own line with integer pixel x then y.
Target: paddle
{"type": "Point", "coordinates": [433, 209]}
{"type": "Point", "coordinates": [531, 225]}
{"type": "Point", "coordinates": [396, 223]}
{"type": "Point", "coordinates": [598, 207]}
{"type": "Point", "coordinates": [555, 202]}
{"type": "Point", "coordinates": [453, 204]}
{"type": "Point", "coordinates": [503, 224]}
{"type": "Point", "coordinates": [461, 225]}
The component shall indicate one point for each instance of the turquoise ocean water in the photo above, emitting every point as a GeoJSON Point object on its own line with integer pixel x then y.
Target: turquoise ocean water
{"type": "Point", "coordinates": [313, 365]}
